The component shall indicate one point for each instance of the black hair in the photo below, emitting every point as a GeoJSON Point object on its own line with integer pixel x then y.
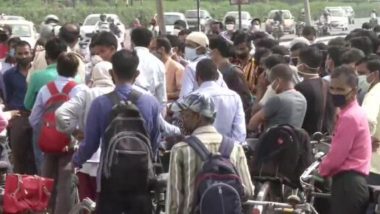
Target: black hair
{"type": "Point", "coordinates": [339, 41]}
{"type": "Point", "coordinates": [279, 49]}
{"type": "Point", "coordinates": [141, 37]}
{"type": "Point", "coordinates": [376, 29]}
{"type": "Point", "coordinates": [309, 30]}
{"type": "Point", "coordinates": [256, 20]}
{"type": "Point", "coordinates": [207, 70]}
{"type": "Point", "coordinates": [335, 54]}
{"type": "Point", "coordinates": [14, 40]}
{"type": "Point", "coordinates": [273, 60]}
{"type": "Point", "coordinates": [352, 55]}
{"type": "Point", "coordinates": [67, 64]}
{"type": "Point", "coordinates": [54, 47]}
{"type": "Point", "coordinates": [174, 40]}
{"type": "Point", "coordinates": [366, 26]}
{"type": "Point", "coordinates": [349, 73]}
{"type": "Point", "coordinates": [373, 65]}
{"type": "Point", "coordinates": [180, 24]}
{"type": "Point", "coordinates": [216, 22]}
{"type": "Point", "coordinates": [298, 46]}
{"type": "Point", "coordinates": [184, 32]}
{"type": "Point", "coordinates": [230, 19]}
{"type": "Point", "coordinates": [261, 53]}
{"type": "Point", "coordinates": [323, 50]}
{"type": "Point", "coordinates": [311, 56]}
{"type": "Point", "coordinates": [266, 43]}
{"type": "Point", "coordinates": [241, 37]}
{"type": "Point", "coordinates": [104, 39]}
{"type": "Point", "coordinates": [22, 43]}
{"type": "Point", "coordinates": [124, 64]}
{"type": "Point", "coordinates": [219, 43]}
{"type": "Point", "coordinates": [363, 43]}
{"type": "Point", "coordinates": [164, 42]}
{"type": "Point", "coordinates": [282, 72]}
{"type": "Point", "coordinates": [258, 35]}
{"type": "Point", "coordinates": [69, 33]}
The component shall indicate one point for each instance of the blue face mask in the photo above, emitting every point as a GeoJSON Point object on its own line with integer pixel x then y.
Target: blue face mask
{"type": "Point", "coordinates": [190, 53]}
{"type": "Point", "coordinates": [12, 52]}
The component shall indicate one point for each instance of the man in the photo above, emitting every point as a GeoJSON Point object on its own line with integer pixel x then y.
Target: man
{"type": "Point", "coordinates": [152, 70]}
{"type": "Point", "coordinates": [196, 49]}
{"type": "Point", "coordinates": [295, 52]}
{"type": "Point", "coordinates": [216, 27]}
{"type": "Point", "coordinates": [348, 161]}
{"type": "Point", "coordinates": [5, 34]}
{"type": "Point", "coordinates": [103, 24]}
{"type": "Point", "coordinates": [198, 113]}
{"type": "Point", "coordinates": [20, 132]}
{"type": "Point", "coordinates": [69, 33]}
{"type": "Point", "coordinates": [231, 122]}
{"type": "Point", "coordinates": [333, 59]}
{"type": "Point", "coordinates": [57, 166]}
{"type": "Point", "coordinates": [180, 30]}
{"type": "Point", "coordinates": [255, 25]}
{"type": "Point", "coordinates": [124, 73]}
{"type": "Point", "coordinates": [230, 23]}
{"type": "Point", "coordinates": [371, 106]}
{"type": "Point", "coordinates": [320, 110]}
{"type": "Point", "coordinates": [309, 33]}
{"type": "Point", "coordinates": [232, 75]}
{"type": "Point", "coordinates": [104, 45]}
{"type": "Point", "coordinates": [287, 107]}
{"type": "Point", "coordinates": [161, 48]}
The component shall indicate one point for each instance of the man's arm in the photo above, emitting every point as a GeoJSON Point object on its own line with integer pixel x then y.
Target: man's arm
{"type": "Point", "coordinates": [31, 92]}
{"type": "Point", "coordinates": [371, 105]}
{"type": "Point", "coordinates": [38, 110]}
{"type": "Point", "coordinates": [175, 188]}
{"type": "Point", "coordinates": [243, 170]}
{"type": "Point", "coordinates": [239, 131]}
{"type": "Point", "coordinates": [256, 120]}
{"type": "Point", "coordinates": [188, 82]}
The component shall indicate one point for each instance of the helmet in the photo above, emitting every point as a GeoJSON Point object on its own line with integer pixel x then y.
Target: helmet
{"type": "Point", "coordinates": [52, 18]}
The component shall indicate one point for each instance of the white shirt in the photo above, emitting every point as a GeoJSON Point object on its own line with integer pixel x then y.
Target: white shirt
{"type": "Point", "coordinates": [189, 82]}
{"type": "Point", "coordinates": [152, 74]}
{"type": "Point", "coordinates": [230, 116]}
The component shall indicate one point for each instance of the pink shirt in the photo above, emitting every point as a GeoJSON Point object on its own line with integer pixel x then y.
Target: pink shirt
{"type": "Point", "coordinates": [3, 121]}
{"type": "Point", "coordinates": [351, 146]}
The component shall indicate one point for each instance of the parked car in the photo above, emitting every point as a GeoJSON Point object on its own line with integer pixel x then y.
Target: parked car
{"type": "Point", "coordinates": [7, 17]}
{"type": "Point", "coordinates": [289, 23]}
{"type": "Point", "coordinates": [23, 29]}
{"type": "Point", "coordinates": [170, 18]}
{"type": "Point", "coordinates": [192, 19]}
{"type": "Point", "coordinates": [245, 18]}
{"type": "Point", "coordinates": [350, 13]}
{"type": "Point", "coordinates": [89, 26]}
{"type": "Point", "coordinates": [337, 18]}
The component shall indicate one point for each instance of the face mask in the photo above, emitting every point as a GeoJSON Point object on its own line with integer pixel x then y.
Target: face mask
{"type": "Point", "coordinates": [12, 52]}
{"type": "Point", "coordinates": [230, 27]}
{"type": "Point", "coordinates": [370, 82]}
{"type": "Point", "coordinates": [23, 62]}
{"type": "Point", "coordinates": [339, 100]}
{"type": "Point", "coordinates": [190, 53]}
{"type": "Point", "coordinates": [255, 28]}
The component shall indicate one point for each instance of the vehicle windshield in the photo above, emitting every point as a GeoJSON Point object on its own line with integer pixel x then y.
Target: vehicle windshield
{"type": "Point", "coordinates": [285, 15]}
{"type": "Point", "coordinates": [92, 20]}
{"type": "Point", "coordinates": [236, 15]}
{"type": "Point", "coordinates": [21, 30]}
{"type": "Point", "coordinates": [193, 14]}
{"type": "Point", "coordinates": [170, 19]}
{"type": "Point", "coordinates": [337, 13]}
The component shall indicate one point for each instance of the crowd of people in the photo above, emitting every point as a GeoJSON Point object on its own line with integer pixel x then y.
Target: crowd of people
{"type": "Point", "coordinates": [229, 83]}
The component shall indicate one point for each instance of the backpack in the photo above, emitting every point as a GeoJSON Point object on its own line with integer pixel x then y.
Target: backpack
{"type": "Point", "coordinates": [284, 152]}
{"type": "Point", "coordinates": [51, 140]}
{"type": "Point", "coordinates": [127, 158]}
{"type": "Point", "coordinates": [218, 188]}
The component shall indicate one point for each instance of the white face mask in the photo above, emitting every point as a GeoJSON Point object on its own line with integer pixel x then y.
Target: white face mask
{"type": "Point", "coordinates": [230, 27]}
{"type": "Point", "coordinates": [255, 28]}
{"type": "Point", "coordinates": [175, 32]}
{"type": "Point", "coordinates": [190, 53]}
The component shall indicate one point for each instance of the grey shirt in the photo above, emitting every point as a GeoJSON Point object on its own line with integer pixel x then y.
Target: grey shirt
{"type": "Point", "coordinates": [288, 107]}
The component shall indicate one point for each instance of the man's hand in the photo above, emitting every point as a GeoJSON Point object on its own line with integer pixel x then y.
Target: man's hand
{"type": "Point", "coordinates": [375, 144]}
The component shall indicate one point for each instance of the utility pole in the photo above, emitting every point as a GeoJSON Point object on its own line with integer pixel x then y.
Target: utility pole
{"type": "Point", "coordinates": [160, 14]}
{"type": "Point", "coordinates": [198, 16]}
{"type": "Point", "coordinates": [307, 13]}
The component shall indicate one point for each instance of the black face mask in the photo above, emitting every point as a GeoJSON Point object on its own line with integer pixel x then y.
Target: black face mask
{"type": "Point", "coordinates": [23, 62]}
{"type": "Point", "coordinates": [4, 37]}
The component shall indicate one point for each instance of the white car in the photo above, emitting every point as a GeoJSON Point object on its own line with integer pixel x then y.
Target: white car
{"type": "Point", "coordinates": [350, 13]}
{"type": "Point", "coordinates": [23, 29]}
{"type": "Point", "coordinates": [337, 18]}
{"type": "Point", "coordinates": [6, 17]}
{"type": "Point", "coordinates": [170, 18]}
{"type": "Point", "coordinates": [192, 19]}
{"type": "Point", "coordinates": [287, 17]}
{"type": "Point", "coordinates": [89, 26]}
{"type": "Point", "coordinates": [245, 18]}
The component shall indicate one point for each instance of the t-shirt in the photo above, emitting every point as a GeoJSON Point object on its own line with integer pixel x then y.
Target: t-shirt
{"type": "Point", "coordinates": [312, 90]}
{"type": "Point", "coordinates": [288, 107]}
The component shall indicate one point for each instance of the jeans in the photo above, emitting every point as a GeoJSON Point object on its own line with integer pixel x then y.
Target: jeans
{"type": "Point", "coordinates": [38, 155]}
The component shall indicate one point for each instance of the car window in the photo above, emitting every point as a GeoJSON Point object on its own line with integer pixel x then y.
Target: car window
{"type": "Point", "coordinates": [21, 30]}
{"type": "Point", "coordinates": [337, 13]}
{"type": "Point", "coordinates": [193, 14]}
{"type": "Point", "coordinates": [170, 19]}
{"type": "Point", "coordinates": [92, 20]}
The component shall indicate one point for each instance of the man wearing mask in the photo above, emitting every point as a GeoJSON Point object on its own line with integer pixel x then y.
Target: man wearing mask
{"type": "Point", "coordinates": [216, 27]}
{"type": "Point", "coordinates": [5, 34]}
{"type": "Point", "coordinates": [196, 49]}
{"type": "Point", "coordinates": [20, 132]}
{"type": "Point", "coordinates": [348, 161]}
{"type": "Point", "coordinates": [230, 23]}
{"type": "Point", "coordinates": [371, 106]}
{"type": "Point", "coordinates": [255, 25]}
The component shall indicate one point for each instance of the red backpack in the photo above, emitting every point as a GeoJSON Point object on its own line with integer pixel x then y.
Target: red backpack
{"type": "Point", "coordinates": [51, 140]}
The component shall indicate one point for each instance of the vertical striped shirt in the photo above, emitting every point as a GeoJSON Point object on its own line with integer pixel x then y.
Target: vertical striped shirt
{"type": "Point", "coordinates": [185, 165]}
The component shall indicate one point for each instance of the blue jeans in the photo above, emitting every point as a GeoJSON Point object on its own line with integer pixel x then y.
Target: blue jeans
{"type": "Point", "coordinates": [38, 155]}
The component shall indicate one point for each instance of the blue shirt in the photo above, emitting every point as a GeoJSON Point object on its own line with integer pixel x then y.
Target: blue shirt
{"type": "Point", "coordinates": [99, 117]}
{"type": "Point", "coordinates": [15, 89]}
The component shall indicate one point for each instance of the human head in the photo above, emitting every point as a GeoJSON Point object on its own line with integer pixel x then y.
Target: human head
{"type": "Point", "coordinates": [271, 61]}
{"type": "Point", "coordinates": [260, 55]}
{"type": "Point", "coordinates": [366, 26]}
{"type": "Point", "coordinates": [23, 54]}
{"type": "Point", "coordinates": [104, 45]}
{"type": "Point", "coordinates": [230, 23]}
{"type": "Point", "coordinates": [255, 25]}
{"type": "Point", "coordinates": [361, 66]}
{"type": "Point", "coordinates": [323, 50]}
{"type": "Point", "coordinates": [220, 49]}
{"type": "Point", "coordinates": [100, 75]}
{"type": "Point", "coordinates": [339, 41]}
{"type": "Point", "coordinates": [343, 85]}
{"type": "Point", "coordinates": [103, 17]}
{"type": "Point", "coordinates": [196, 45]}
{"type": "Point", "coordinates": [54, 47]}
{"type": "Point", "coordinates": [11, 57]}
{"type": "Point", "coordinates": [141, 37]}
{"type": "Point", "coordinates": [333, 59]}
{"type": "Point", "coordinates": [242, 45]}
{"type": "Point", "coordinates": [309, 33]}
{"type": "Point", "coordinates": [183, 34]}
{"type": "Point", "coordinates": [352, 56]}
{"type": "Point", "coordinates": [310, 59]}
{"type": "Point", "coordinates": [282, 50]}
{"type": "Point", "coordinates": [196, 110]}
{"type": "Point", "coordinates": [295, 52]}
{"type": "Point", "coordinates": [69, 33]}
{"type": "Point", "coordinates": [216, 27]}
{"type": "Point", "coordinates": [265, 43]}
{"type": "Point", "coordinates": [124, 66]}
{"type": "Point", "coordinates": [373, 66]}
{"type": "Point", "coordinates": [67, 64]}
{"type": "Point", "coordinates": [281, 77]}
{"type": "Point", "coordinates": [180, 25]}
{"type": "Point", "coordinates": [363, 43]}
{"type": "Point", "coordinates": [51, 18]}
{"type": "Point", "coordinates": [161, 48]}
{"type": "Point", "coordinates": [206, 70]}
{"type": "Point", "coordinates": [5, 33]}
{"type": "Point", "coordinates": [376, 29]}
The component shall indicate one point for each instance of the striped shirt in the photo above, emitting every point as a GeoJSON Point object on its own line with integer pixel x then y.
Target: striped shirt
{"type": "Point", "coordinates": [185, 165]}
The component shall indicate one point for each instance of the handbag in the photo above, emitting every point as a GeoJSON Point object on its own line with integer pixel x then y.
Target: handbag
{"type": "Point", "coordinates": [26, 193]}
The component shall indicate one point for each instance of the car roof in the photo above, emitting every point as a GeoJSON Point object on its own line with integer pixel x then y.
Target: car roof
{"type": "Point", "coordinates": [173, 13]}
{"type": "Point", "coordinates": [10, 22]}
{"type": "Point", "coordinates": [279, 10]}
{"type": "Point", "coordinates": [98, 14]}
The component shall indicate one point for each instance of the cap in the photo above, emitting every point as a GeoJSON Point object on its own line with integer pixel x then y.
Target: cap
{"type": "Point", "coordinates": [199, 38]}
{"type": "Point", "coordinates": [197, 103]}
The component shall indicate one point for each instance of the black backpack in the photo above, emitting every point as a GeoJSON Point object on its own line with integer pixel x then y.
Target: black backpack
{"type": "Point", "coordinates": [127, 158]}
{"type": "Point", "coordinates": [218, 188]}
